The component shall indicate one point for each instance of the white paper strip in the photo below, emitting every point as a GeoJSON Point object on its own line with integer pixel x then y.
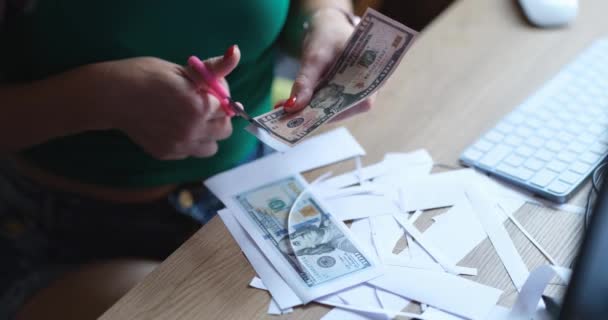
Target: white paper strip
{"type": "Point", "coordinates": [361, 206]}
{"type": "Point", "coordinates": [410, 164]}
{"type": "Point", "coordinates": [446, 263]}
{"type": "Point", "coordinates": [441, 290]}
{"type": "Point", "coordinates": [489, 216]}
{"type": "Point", "coordinates": [282, 293]}
{"type": "Point", "coordinates": [530, 296]}
{"type": "Point", "coordinates": [337, 145]}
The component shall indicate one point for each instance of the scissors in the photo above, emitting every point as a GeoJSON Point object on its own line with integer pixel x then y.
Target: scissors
{"type": "Point", "coordinates": [230, 107]}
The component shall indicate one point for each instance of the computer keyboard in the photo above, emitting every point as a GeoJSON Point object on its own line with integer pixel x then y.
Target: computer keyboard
{"type": "Point", "coordinates": [555, 139]}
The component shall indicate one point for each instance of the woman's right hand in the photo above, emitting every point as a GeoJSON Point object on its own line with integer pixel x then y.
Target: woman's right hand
{"type": "Point", "coordinates": [164, 108]}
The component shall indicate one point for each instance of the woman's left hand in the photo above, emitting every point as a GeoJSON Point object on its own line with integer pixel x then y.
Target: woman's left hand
{"type": "Point", "coordinates": [325, 40]}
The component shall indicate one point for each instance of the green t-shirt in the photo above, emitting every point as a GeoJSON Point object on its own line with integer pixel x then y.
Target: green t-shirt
{"type": "Point", "coordinates": [58, 35]}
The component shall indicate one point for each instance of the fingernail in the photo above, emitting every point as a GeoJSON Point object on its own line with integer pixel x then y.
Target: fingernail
{"type": "Point", "coordinates": [230, 51]}
{"type": "Point", "coordinates": [290, 102]}
{"type": "Point", "coordinates": [280, 103]}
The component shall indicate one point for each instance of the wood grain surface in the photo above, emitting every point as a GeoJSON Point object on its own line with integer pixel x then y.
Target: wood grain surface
{"type": "Point", "coordinates": [476, 62]}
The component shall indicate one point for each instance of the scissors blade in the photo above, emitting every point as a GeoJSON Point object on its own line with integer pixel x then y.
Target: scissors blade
{"type": "Point", "coordinates": [243, 114]}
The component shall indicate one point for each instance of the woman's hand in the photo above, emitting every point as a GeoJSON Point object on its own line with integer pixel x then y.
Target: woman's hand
{"type": "Point", "coordinates": [163, 107]}
{"type": "Point", "coordinates": [325, 40]}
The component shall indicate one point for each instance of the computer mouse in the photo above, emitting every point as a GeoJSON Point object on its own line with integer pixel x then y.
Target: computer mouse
{"type": "Point", "coordinates": [549, 13]}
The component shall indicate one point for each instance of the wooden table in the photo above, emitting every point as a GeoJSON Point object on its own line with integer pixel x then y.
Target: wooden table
{"type": "Point", "coordinates": [471, 66]}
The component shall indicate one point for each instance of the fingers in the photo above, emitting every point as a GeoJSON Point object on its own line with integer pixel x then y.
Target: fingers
{"type": "Point", "coordinates": [223, 66]}
{"type": "Point", "coordinates": [362, 107]}
{"type": "Point", "coordinates": [220, 67]}
{"type": "Point", "coordinates": [314, 64]}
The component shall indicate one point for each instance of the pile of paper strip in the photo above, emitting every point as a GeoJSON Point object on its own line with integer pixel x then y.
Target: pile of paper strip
{"type": "Point", "coordinates": [381, 203]}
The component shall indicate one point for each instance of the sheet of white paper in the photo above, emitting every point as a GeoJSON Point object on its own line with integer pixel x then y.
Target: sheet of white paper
{"type": "Point", "coordinates": [446, 263]}
{"type": "Point", "coordinates": [437, 314]}
{"type": "Point", "coordinates": [274, 309]}
{"type": "Point", "coordinates": [227, 191]}
{"type": "Point", "coordinates": [337, 145]}
{"type": "Point", "coordinates": [530, 296]}
{"type": "Point", "coordinates": [441, 290]}
{"type": "Point", "coordinates": [371, 313]}
{"type": "Point", "coordinates": [361, 206]}
{"type": "Point", "coordinates": [434, 191]}
{"type": "Point", "coordinates": [257, 283]}
{"type": "Point", "coordinates": [267, 138]}
{"type": "Point", "coordinates": [282, 293]}
{"type": "Point", "coordinates": [385, 234]}
{"type": "Point", "coordinates": [488, 214]}
{"type": "Point", "coordinates": [341, 314]}
{"type": "Point", "coordinates": [417, 162]}
{"type": "Point", "coordinates": [457, 232]}
{"type": "Point", "coordinates": [391, 301]}
{"type": "Point", "coordinates": [362, 233]}
{"type": "Point", "coordinates": [362, 296]}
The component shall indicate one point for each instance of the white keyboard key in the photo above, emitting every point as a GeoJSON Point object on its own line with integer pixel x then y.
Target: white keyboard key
{"type": "Point", "coordinates": [587, 138]}
{"type": "Point", "coordinates": [599, 148]}
{"type": "Point", "coordinates": [535, 142]}
{"type": "Point", "coordinates": [494, 136]}
{"type": "Point", "coordinates": [515, 160]}
{"type": "Point", "coordinates": [569, 177]}
{"type": "Point", "coordinates": [554, 146]}
{"type": "Point", "coordinates": [543, 178]}
{"type": "Point", "coordinates": [567, 156]}
{"type": "Point", "coordinates": [520, 173]}
{"type": "Point", "coordinates": [483, 145]}
{"type": "Point", "coordinates": [473, 154]}
{"type": "Point", "coordinates": [524, 132]}
{"type": "Point", "coordinates": [505, 128]}
{"type": "Point", "coordinates": [590, 157]}
{"type": "Point", "coordinates": [545, 155]}
{"type": "Point", "coordinates": [545, 133]}
{"type": "Point", "coordinates": [557, 166]}
{"type": "Point", "coordinates": [525, 151]}
{"type": "Point", "coordinates": [559, 187]}
{"type": "Point", "coordinates": [580, 167]}
{"type": "Point", "coordinates": [534, 164]}
{"type": "Point", "coordinates": [513, 140]}
{"type": "Point", "coordinates": [577, 146]}
{"type": "Point", "coordinates": [596, 129]}
{"type": "Point", "coordinates": [516, 118]}
{"type": "Point", "coordinates": [494, 156]}
{"type": "Point", "coordinates": [565, 137]}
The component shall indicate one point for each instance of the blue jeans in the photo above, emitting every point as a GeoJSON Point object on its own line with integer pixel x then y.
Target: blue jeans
{"type": "Point", "coordinates": [45, 233]}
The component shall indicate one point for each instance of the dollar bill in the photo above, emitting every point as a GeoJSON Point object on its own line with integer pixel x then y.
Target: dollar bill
{"type": "Point", "coordinates": [315, 246]}
{"type": "Point", "coordinates": [372, 53]}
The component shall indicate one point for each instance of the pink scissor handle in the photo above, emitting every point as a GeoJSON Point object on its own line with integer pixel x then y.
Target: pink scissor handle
{"type": "Point", "coordinates": [210, 79]}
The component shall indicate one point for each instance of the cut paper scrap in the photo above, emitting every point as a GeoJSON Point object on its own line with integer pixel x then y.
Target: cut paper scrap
{"type": "Point", "coordinates": [300, 158]}
{"type": "Point", "coordinates": [527, 303]}
{"type": "Point", "coordinates": [280, 291]}
{"type": "Point", "coordinates": [273, 306]}
{"type": "Point", "coordinates": [489, 214]}
{"type": "Point", "coordinates": [360, 206]}
{"type": "Point", "coordinates": [449, 235]}
{"type": "Point", "coordinates": [441, 290]}
{"type": "Point", "coordinates": [417, 162]}
{"type": "Point", "coordinates": [525, 232]}
{"type": "Point", "coordinates": [385, 234]}
{"type": "Point", "coordinates": [446, 263]}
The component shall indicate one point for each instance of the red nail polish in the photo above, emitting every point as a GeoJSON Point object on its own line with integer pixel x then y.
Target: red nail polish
{"type": "Point", "coordinates": [290, 102]}
{"type": "Point", "coordinates": [280, 103]}
{"type": "Point", "coordinates": [230, 51]}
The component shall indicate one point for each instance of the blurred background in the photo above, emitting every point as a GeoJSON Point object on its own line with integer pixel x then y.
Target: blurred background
{"type": "Point", "coordinates": [415, 14]}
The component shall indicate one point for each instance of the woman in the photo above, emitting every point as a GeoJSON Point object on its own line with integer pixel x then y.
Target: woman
{"type": "Point", "coordinates": [107, 134]}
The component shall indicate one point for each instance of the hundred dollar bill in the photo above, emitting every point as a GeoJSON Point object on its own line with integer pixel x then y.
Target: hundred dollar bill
{"type": "Point", "coordinates": [372, 53]}
{"type": "Point", "coordinates": [314, 253]}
